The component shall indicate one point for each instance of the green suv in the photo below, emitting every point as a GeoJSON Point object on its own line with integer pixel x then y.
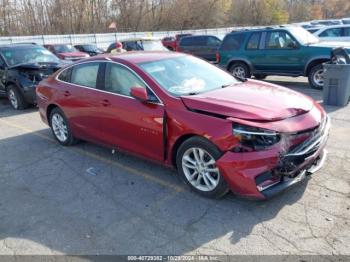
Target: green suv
{"type": "Point", "coordinates": [283, 50]}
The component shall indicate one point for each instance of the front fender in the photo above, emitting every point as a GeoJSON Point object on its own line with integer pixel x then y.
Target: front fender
{"type": "Point", "coordinates": [313, 59]}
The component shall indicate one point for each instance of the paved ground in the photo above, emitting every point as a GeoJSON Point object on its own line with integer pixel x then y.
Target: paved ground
{"type": "Point", "coordinates": [84, 200]}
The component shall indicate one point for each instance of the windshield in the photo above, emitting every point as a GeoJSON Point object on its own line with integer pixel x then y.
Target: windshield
{"type": "Point", "coordinates": [65, 49]}
{"type": "Point", "coordinates": [90, 48]}
{"type": "Point", "coordinates": [153, 46]}
{"type": "Point", "coordinates": [303, 36]}
{"type": "Point", "coordinates": [186, 75]}
{"type": "Point", "coordinates": [26, 55]}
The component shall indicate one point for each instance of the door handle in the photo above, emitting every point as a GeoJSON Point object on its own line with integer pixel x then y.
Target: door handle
{"type": "Point", "coordinates": [106, 102]}
{"type": "Point", "coordinates": [66, 93]}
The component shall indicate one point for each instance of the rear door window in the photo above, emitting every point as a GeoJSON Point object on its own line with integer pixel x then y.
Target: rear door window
{"type": "Point", "coordinates": [85, 74]}
{"type": "Point", "coordinates": [253, 42]}
{"type": "Point", "coordinates": [346, 31]}
{"type": "Point", "coordinates": [232, 42]}
{"type": "Point", "coordinates": [213, 41]}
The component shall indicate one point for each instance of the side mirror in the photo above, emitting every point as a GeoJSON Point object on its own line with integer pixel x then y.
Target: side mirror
{"type": "Point", "coordinates": [140, 93]}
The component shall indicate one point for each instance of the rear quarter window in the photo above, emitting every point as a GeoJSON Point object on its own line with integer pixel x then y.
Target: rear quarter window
{"type": "Point", "coordinates": [232, 42]}
{"type": "Point", "coordinates": [65, 75]}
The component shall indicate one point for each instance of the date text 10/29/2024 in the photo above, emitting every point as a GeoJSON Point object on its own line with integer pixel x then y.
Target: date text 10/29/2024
{"type": "Point", "coordinates": [173, 258]}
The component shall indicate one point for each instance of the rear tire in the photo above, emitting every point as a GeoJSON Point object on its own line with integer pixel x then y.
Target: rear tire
{"type": "Point", "coordinates": [60, 128]}
{"type": "Point", "coordinates": [315, 77]}
{"type": "Point", "coordinates": [15, 97]}
{"type": "Point", "coordinates": [240, 70]}
{"type": "Point", "coordinates": [196, 164]}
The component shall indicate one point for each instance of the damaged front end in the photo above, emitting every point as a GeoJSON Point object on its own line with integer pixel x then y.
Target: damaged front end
{"type": "Point", "coordinates": [28, 76]}
{"type": "Point", "coordinates": [300, 160]}
{"type": "Point", "coordinates": [266, 162]}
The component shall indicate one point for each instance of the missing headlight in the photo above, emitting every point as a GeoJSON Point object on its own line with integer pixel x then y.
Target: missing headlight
{"type": "Point", "coordinates": [255, 138]}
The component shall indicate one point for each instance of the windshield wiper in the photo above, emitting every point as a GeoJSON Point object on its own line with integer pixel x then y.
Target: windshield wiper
{"type": "Point", "coordinates": [227, 85]}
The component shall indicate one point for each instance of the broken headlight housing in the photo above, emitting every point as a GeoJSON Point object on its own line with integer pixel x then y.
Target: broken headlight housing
{"type": "Point", "coordinates": [254, 138]}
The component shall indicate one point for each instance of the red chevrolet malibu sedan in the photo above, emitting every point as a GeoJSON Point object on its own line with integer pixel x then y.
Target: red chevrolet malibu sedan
{"type": "Point", "coordinates": [220, 133]}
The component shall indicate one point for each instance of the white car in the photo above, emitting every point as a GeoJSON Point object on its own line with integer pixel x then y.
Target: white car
{"type": "Point", "coordinates": [334, 33]}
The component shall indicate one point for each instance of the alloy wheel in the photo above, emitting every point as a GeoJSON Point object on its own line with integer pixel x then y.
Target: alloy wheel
{"type": "Point", "coordinates": [59, 127]}
{"type": "Point", "coordinates": [318, 77]}
{"type": "Point", "coordinates": [13, 98]}
{"type": "Point", "coordinates": [200, 169]}
{"type": "Point", "coordinates": [239, 71]}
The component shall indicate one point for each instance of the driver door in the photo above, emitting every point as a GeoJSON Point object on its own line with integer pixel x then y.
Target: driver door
{"type": "Point", "coordinates": [282, 53]}
{"type": "Point", "coordinates": [127, 122]}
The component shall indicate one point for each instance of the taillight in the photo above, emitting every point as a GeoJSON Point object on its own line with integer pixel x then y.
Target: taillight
{"type": "Point", "coordinates": [217, 56]}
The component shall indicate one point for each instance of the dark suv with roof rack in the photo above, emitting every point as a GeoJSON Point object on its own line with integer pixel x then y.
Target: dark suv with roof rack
{"type": "Point", "coordinates": [283, 50]}
{"type": "Point", "coordinates": [22, 67]}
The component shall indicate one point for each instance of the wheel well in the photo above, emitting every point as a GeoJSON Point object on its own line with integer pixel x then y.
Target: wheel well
{"type": "Point", "coordinates": [49, 110]}
{"type": "Point", "coordinates": [313, 63]}
{"type": "Point", "coordinates": [237, 61]}
{"type": "Point", "coordinates": [176, 146]}
{"type": "Point", "coordinates": [10, 83]}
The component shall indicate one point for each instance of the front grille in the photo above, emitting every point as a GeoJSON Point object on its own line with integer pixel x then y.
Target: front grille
{"type": "Point", "coordinates": [298, 154]}
{"type": "Point", "coordinates": [316, 138]}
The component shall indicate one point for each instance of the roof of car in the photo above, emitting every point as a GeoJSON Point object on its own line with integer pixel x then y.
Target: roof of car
{"type": "Point", "coordinates": [146, 38]}
{"type": "Point", "coordinates": [136, 57]}
{"type": "Point", "coordinates": [194, 36]}
{"type": "Point", "coordinates": [333, 26]}
{"type": "Point", "coordinates": [258, 29]}
{"type": "Point", "coordinates": [18, 45]}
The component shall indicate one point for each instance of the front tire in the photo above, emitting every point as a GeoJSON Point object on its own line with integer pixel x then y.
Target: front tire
{"type": "Point", "coordinates": [316, 77]}
{"type": "Point", "coordinates": [60, 128]}
{"type": "Point", "coordinates": [196, 164]}
{"type": "Point", "coordinates": [240, 70]}
{"type": "Point", "coordinates": [16, 99]}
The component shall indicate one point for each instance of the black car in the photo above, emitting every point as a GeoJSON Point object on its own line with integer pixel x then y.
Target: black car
{"type": "Point", "coordinates": [22, 67]}
{"type": "Point", "coordinates": [204, 46]}
{"type": "Point", "coordinates": [90, 49]}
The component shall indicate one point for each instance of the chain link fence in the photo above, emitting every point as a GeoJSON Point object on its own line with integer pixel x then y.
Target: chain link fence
{"type": "Point", "coordinates": [103, 40]}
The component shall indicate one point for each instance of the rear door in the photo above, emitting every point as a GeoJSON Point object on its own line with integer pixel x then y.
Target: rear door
{"type": "Point", "coordinates": [254, 52]}
{"type": "Point", "coordinates": [346, 33]}
{"type": "Point", "coordinates": [199, 47]}
{"type": "Point", "coordinates": [212, 45]}
{"type": "Point", "coordinates": [80, 98]}
{"type": "Point", "coordinates": [126, 122]}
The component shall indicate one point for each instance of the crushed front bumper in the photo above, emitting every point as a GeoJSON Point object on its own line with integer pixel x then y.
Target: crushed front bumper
{"type": "Point", "coordinates": [264, 174]}
{"type": "Point", "coordinates": [286, 182]}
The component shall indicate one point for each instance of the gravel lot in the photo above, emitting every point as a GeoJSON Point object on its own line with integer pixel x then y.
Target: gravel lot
{"type": "Point", "coordinates": [85, 200]}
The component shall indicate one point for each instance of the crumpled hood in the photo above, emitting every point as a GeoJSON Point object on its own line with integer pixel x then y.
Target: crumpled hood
{"type": "Point", "coordinates": [37, 66]}
{"type": "Point", "coordinates": [251, 100]}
